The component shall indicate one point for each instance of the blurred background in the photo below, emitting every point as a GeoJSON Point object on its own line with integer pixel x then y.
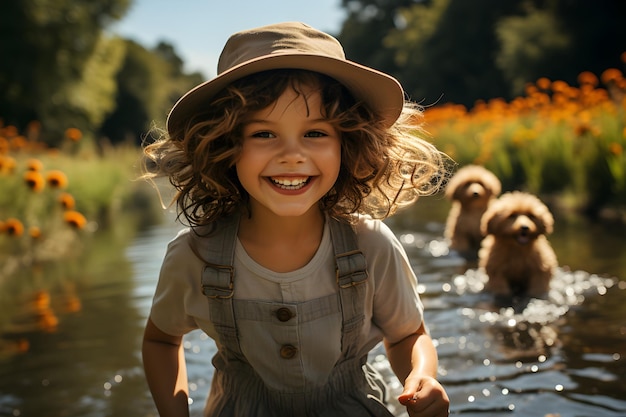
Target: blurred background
{"type": "Point", "coordinates": [532, 89]}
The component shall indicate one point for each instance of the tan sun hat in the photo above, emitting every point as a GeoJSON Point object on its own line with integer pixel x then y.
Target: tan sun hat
{"type": "Point", "coordinates": [298, 46]}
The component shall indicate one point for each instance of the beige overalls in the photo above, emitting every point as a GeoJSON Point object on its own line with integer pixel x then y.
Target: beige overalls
{"type": "Point", "coordinates": [353, 388]}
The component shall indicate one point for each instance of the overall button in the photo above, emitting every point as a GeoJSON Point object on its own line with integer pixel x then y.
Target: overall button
{"type": "Point", "coordinates": [288, 351]}
{"type": "Point", "coordinates": [284, 314]}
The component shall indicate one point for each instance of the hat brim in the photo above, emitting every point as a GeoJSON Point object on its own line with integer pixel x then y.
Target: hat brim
{"type": "Point", "coordinates": [381, 92]}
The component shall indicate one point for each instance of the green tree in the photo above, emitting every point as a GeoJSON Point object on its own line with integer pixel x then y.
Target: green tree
{"type": "Point", "coordinates": [461, 51]}
{"type": "Point", "coordinates": [148, 83]}
{"type": "Point", "coordinates": [85, 101]}
{"type": "Point", "coordinates": [559, 39]}
{"type": "Point", "coordinates": [445, 49]}
{"type": "Point", "coordinates": [363, 32]}
{"type": "Point", "coordinates": [46, 47]}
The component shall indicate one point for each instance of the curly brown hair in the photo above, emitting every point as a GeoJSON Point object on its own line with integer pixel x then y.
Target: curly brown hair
{"type": "Point", "coordinates": [382, 168]}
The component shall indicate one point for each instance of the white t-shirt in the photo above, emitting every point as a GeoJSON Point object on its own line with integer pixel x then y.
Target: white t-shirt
{"type": "Point", "coordinates": [393, 309]}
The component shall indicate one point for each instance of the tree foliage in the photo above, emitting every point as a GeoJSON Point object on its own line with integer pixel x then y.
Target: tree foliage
{"type": "Point", "coordinates": [530, 45]}
{"type": "Point", "coordinates": [367, 24]}
{"type": "Point", "coordinates": [87, 99]}
{"type": "Point", "coordinates": [148, 83]}
{"type": "Point", "coordinates": [461, 51]}
{"type": "Point", "coordinates": [60, 67]}
{"type": "Point", "coordinates": [47, 46]}
{"type": "Point", "coordinates": [64, 70]}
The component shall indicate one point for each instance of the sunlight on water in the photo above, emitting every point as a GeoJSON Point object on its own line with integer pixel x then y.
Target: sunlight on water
{"type": "Point", "coordinates": [563, 355]}
{"type": "Point", "coordinates": [567, 289]}
{"type": "Point", "coordinates": [527, 356]}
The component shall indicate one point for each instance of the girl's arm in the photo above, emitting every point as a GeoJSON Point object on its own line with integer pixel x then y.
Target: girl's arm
{"type": "Point", "coordinates": [414, 361]}
{"type": "Point", "coordinates": [166, 372]}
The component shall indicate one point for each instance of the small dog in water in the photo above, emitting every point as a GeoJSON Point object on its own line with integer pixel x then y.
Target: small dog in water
{"type": "Point", "coordinates": [515, 253]}
{"type": "Point", "coordinates": [471, 190]}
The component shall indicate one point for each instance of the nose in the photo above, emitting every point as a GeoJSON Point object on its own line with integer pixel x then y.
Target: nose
{"type": "Point", "coordinates": [475, 190]}
{"type": "Point", "coordinates": [292, 151]}
{"type": "Point", "coordinates": [524, 224]}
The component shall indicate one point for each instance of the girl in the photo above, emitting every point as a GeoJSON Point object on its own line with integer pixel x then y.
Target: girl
{"type": "Point", "coordinates": [284, 165]}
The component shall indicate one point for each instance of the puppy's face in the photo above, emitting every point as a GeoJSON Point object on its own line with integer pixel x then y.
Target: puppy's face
{"type": "Point", "coordinates": [522, 227]}
{"type": "Point", "coordinates": [472, 194]}
{"type": "Point", "coordinates": [473, 186]}
{"type": "Point", "coordinates": [519, 216]}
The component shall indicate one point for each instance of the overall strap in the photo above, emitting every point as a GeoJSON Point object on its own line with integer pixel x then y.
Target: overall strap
{"type": "Point", "coordinates": [351, 270]}
{"type": "Point", "coordinates": [218, 280]}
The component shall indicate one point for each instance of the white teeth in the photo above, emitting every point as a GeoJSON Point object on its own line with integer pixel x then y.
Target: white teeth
{"type": "Point", "coordinates": [290, 184]}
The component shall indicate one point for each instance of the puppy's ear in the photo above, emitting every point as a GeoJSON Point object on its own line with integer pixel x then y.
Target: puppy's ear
{"type": "Point", "coordinates": [452, 189]}
{"type": "Point", "coordinates": [493, 184]}
{"type": "Point", "coordinates": [458, 191]}
{"type": "Point", "coordinates": [488, 222]}
{"type": "Point", "coordinates": [547, 221]}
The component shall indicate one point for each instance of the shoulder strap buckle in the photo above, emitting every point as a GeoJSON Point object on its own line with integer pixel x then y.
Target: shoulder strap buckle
{"type": "Point", "coordinates": [351, 269]}
{"type": "Point", "coordinates": [217, 281]}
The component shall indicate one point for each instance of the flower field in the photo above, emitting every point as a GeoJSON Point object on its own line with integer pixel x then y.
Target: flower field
{"type": "Point", "coordinates": [52, 199]}
{"type": "Point", "coordinates": [558, 139]}
{"type": "Point", "coordinates": [56, 205]}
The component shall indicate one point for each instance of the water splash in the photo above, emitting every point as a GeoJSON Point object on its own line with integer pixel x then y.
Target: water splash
{"type": "Point", "coordinates": [567, 289]}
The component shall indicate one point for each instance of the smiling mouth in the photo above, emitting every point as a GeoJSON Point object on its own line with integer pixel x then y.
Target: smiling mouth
{"type": "Point", "coordinates": [290, 183]}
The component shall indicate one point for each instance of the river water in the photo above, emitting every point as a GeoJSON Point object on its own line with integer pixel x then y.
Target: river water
{"type": "Point", "coordinates": [74, 349]}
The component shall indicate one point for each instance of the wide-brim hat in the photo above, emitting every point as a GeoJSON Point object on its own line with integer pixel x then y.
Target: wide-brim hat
{"type": "Point", "coordinates": [298, 46]}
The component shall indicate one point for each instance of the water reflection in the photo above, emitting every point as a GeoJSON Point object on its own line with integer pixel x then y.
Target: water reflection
{"type": "Point", "coordinates": [82, 332]}
{"type": "Point", "coordinates": [565, 354]}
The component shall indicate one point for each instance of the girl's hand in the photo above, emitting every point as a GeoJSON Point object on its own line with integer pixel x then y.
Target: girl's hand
{"type": "Point", "coordinates": [424, 396]}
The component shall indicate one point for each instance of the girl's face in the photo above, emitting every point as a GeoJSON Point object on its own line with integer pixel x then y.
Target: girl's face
{"type": "Point", "coordinates": [290, 156]}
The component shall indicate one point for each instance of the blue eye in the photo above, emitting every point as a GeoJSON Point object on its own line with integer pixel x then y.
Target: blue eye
{"type": "Point", "coordinates": [315, 134]}
{"type": "Point", "coordinates": [265, 135]}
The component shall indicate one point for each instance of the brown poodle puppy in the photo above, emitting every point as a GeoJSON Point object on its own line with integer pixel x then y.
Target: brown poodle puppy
{"type": "Point", "coordinates": [471, 190]}
{"type": "Point", "coordinates": [515, 253]}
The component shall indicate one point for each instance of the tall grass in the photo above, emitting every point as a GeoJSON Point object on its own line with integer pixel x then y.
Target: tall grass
{"type": "Point", "coordinates": [52, 200]}
{"type": "Point", "coordinates": [557, 139]}
{"type": "Point", "coordinates": [62, 211]}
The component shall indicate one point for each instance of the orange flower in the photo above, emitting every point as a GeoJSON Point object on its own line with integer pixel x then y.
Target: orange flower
{"type": "Point", "coordinates": [530, 89]}
{"type": "Point", "coordinates": [610, 75]}
{"type": "Point", "coordinates": [587, 77]}
{"type": "Point", "coordinates": [10, 131]}
{"type": "Point", "coordinates": [559, 86]}
{"type": "Point", "coordinates": [4, 145]}
{"type": "Point", "coordinates": [543, 83]}
{"type": "Point", "coordinates": [73, 134]}
{"type": "Point", "coordinates": [34, 164]}
{"type": "Point", "coordinates": [34, 180]}
{"type": "Point", "coordinates": [75, 219]}
{"type": "Point", "coordinates": [34, 232]}
{"type": "Point", "coordinates": [18, 142]}
{"type": "Point", "coordinates": [47, 320]}
{"type": "Point", "coordinates": [56, 179]}
{"type": "Point", "coordinates": [67, 201]}
{"type": "Point", "coordinates": [41, 300]}
{"type": "Point", "coordinates": [14, 227]}
{"type": "Point", "coordinates": [7, 164]}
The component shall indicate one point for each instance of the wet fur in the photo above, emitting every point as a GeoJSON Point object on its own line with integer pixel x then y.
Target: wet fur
{"type": "Point", "coordinates": [515, 253]}
{"type": "Point", "coordinates": [471, 190]}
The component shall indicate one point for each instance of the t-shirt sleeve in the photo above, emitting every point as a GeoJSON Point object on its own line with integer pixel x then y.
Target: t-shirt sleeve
{"type": "Point", "coordinates": [397, 309]}
{"type": "Point", "coordinates": [177, 287]}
